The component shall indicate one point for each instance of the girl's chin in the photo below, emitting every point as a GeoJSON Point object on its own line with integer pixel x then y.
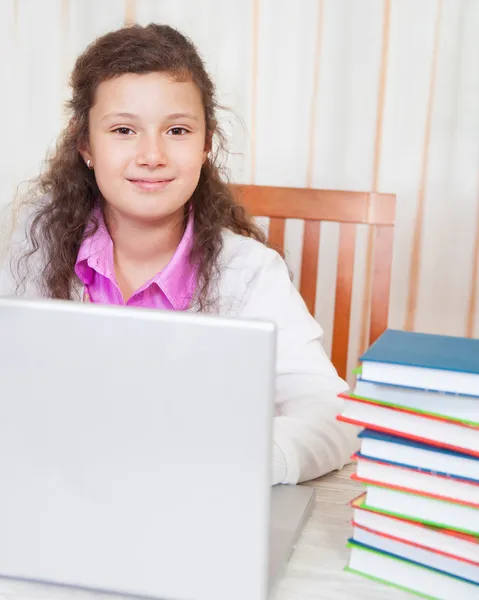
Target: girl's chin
{"type": "Point", "coordinates": [144, 212]}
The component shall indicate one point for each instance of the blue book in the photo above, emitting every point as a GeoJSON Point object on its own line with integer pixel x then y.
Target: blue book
{"type": "Point", "coordinates": [425, 350]}
{"type": "Point", "coordinates": [424, 361]}
{"type": "Point", "coordinates": [413, 569]}
{"type": "Point", "coordinates": [403, 452]}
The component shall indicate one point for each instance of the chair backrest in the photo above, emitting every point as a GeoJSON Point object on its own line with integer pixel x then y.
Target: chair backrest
{"type": "Point", "coordinates": [348, 209]}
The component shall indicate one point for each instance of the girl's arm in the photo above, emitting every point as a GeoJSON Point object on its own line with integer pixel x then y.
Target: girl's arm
{"type": "Point", "coordinates": [309, 441]}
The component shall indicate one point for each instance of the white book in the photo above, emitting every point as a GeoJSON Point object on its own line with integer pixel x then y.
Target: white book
{"type": "Point", "coordinates": [455, 490]}
{"type": "Point", "coordinates": [422, 378]}
{"type": "Point", "coordinates": [431, 511]}
{"type": "Point", "coordinates": [414, 454]}
{"type": "Point", "coordinates": [410, 576]}
{"type": "Point", "coordinates": [426, 557]}
{"type": "Point", "coordinates": [440, 540]}
{"type": "Point", "coordinates": [446, 434]}
{"type": "Point", "coordinates": [454, 406]}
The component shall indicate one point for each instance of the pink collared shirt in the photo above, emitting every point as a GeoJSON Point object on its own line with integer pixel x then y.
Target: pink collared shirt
{"type": "Point", "coordinates": [172, 288]}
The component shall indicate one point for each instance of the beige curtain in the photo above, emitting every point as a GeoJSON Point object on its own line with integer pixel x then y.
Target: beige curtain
{"type": "Point", "coordinates": [343, 94]}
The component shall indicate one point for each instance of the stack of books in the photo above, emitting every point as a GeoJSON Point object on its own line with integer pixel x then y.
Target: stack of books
{"type": "Point", "coordinates": [416, 527]}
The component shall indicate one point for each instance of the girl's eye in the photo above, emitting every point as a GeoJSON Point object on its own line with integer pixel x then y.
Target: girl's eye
{"type": "Point", "coordinates": [177, 131]}
{"type": "Point", "coordinates": [123, 130]}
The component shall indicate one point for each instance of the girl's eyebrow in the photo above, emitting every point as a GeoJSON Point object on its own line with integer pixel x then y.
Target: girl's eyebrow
{"type": "Point", "coordinates": [131, 116]}
{"type": "Point", "coordinates": [175, 116]}
{"type": "Point", "coordinates": [121, 115]}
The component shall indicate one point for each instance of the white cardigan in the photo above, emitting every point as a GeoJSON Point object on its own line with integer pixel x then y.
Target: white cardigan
{"type": "Point", "coordinates": [254, 283]}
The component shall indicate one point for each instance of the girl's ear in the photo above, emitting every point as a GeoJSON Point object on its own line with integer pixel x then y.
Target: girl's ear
{"type": "Point", "coordinates": [83, 147]}
{"type": "Point", "coordinates": [81, 143]}
{"type": "Point", "coordinates": [86, 155]}
{"type": "Point", "coordinates": [208, 146]}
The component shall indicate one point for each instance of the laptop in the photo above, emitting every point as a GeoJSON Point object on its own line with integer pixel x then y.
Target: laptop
{"type": "Point", "coordinates": [135, 452]}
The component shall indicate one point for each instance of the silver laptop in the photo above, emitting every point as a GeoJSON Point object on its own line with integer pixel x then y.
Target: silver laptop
{"type": "Point", "coordinates": [135, 452]}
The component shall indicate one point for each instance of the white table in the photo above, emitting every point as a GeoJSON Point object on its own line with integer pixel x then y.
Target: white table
{"type": "Point", "coordinates": [315, 571]}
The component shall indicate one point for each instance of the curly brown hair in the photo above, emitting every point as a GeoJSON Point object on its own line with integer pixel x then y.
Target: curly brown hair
{"type": "Point", "coordinates": [70, 190]}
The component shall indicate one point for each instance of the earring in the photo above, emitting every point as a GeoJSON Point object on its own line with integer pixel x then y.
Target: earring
{"type": "Point", "coordinates": [89, 165]}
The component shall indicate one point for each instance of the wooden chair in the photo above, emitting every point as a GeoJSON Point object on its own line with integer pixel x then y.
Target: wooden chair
{"type": "Point", "coordinates": [348, 209]}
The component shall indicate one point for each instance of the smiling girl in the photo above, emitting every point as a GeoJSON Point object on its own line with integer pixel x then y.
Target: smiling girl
{"type": "Point", "coordinates": [132, 210]}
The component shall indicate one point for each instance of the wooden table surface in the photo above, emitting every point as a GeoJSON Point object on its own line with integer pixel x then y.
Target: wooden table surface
{"type": "Point", "coordinates": [315, 570]}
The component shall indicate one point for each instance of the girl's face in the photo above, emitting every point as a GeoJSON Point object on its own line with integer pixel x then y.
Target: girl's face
{"type": "Point", "coordinates": [147, 143]}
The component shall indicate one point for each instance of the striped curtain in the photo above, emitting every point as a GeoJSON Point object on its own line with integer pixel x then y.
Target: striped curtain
{"type": "Point", "coordinates": [343, 94]}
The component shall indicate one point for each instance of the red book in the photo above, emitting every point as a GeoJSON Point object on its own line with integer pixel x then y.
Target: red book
{"type": "Point", "coordinates": [445, 549]}
{"type": "Point", "coordinates": [408, 479]}
{"type": "Point", "coordinates": [433, 430]}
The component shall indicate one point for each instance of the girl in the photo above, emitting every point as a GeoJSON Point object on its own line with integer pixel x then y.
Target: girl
{"type": "Point", "coordinates": [132, 211]}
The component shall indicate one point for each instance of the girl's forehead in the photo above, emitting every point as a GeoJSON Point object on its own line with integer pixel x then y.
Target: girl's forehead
{"type": "Point", "coordinates": [147, 94]}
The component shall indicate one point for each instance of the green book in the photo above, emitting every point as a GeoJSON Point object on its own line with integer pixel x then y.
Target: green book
{"type": "Point", "coordinates": [407, 575]}
{"type": "Point", "coordinates": [427, 510]}
{"type": "Point", "coordinates": [452, 407]}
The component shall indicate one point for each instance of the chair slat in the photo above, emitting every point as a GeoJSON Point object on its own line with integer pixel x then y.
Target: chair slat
{"type": "Point", "coordinates": [309, 264]}
{"type": "Point", "coordinates": [383, 255]}
{"type": "Point", "coordinates": [344, 288]}
{"type": "Point", "coordinates": [318, 205]}
{"type": "Point", "coordinates": [347, 208]}
{"type": "Point", "coordinates": [276, 234]}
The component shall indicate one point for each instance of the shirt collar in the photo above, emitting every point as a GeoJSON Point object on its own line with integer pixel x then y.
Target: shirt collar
{"type": "Point", "coordinates": [177, 280]}
{"type": "Point", "coordinates": [96, 252]}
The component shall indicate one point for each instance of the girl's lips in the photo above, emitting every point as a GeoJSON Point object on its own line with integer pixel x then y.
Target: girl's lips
{"type": "Point", "coordinates": [150, 186]}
